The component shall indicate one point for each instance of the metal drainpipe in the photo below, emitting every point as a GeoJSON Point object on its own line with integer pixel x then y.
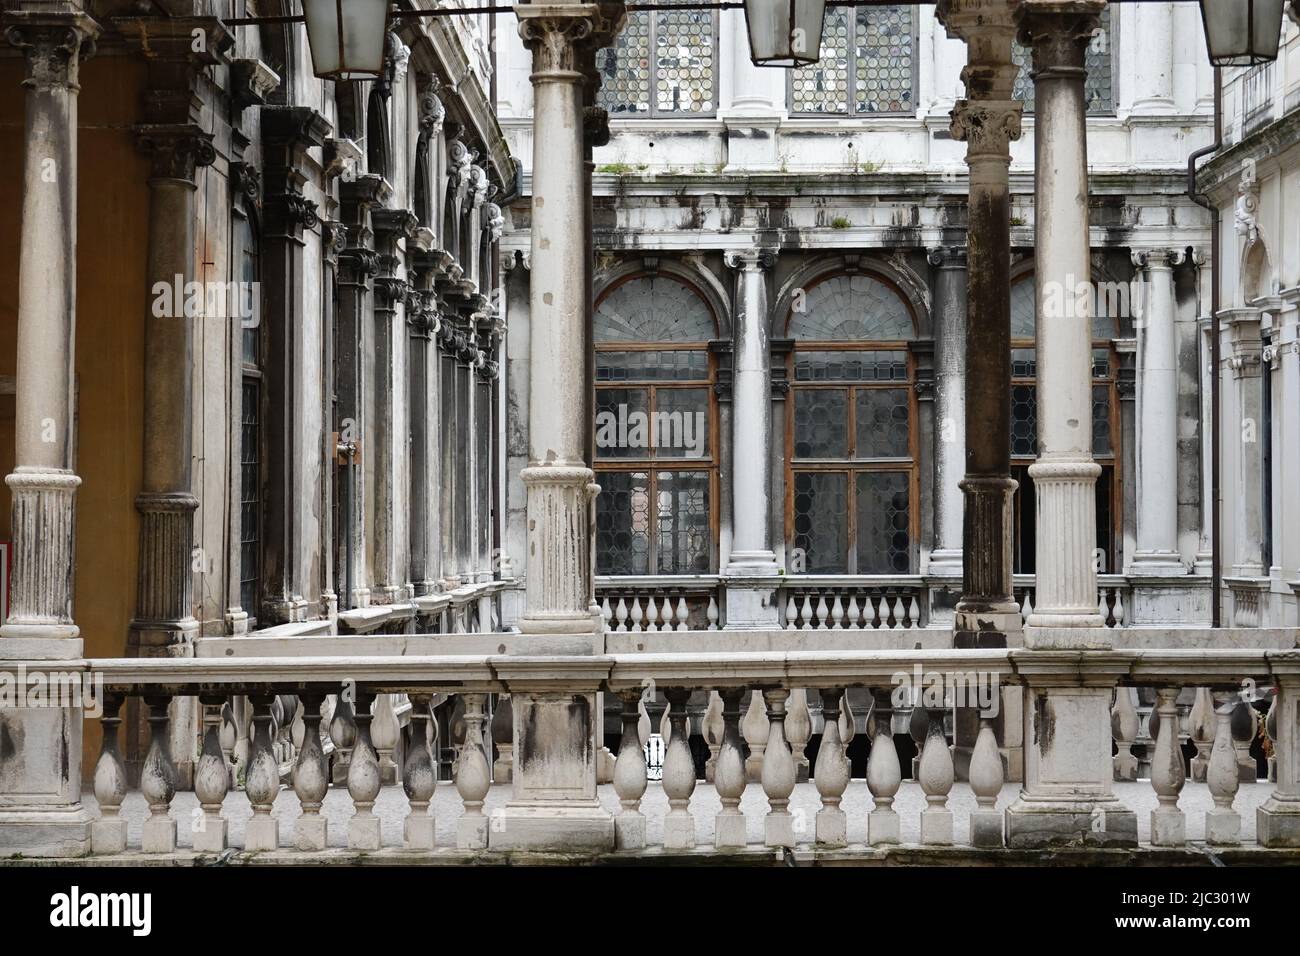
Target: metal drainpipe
{"type": "Point", "coordinates": [1216, 525]}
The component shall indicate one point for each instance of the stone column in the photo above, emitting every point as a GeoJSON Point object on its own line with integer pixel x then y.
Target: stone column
{"type": "Point", "coordinates": [1067, 795]}
{"type": "Point", "coordinates": [1157, 436]}
{"type": "Point", "coordinates": [1244, 360]}
{"type": "Point", "coordinates": [949, 407]}
{"type": "Point", "coordinates": [1154, 59]}
{"type": "Point", "coordinates": [555, 704]}
{"type": "Point", "coordinates": [751, 566]}
{"type": "Point", "coordinates": [421, 325]}
{"type": "Point", "coordinates": [751, 100]}
{"type": "Point", "coordinates": [987, 120]}
{"type": "Point", "coordinates": [40, 756]}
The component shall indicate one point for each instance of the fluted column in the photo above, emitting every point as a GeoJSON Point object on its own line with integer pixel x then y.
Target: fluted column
{"type": "Point", "coordinates": [43, 484]}
{"type": "Point", "coordinates": [559, 481]}
{"type": "Point", "coordinates": [987, 120]}
{"type": "Point", "coordinates": [1065, 474]}
{"type": "Point", "coordinates": [1157, 436]}
{"type": "Point", "coordinates": [950, 407]}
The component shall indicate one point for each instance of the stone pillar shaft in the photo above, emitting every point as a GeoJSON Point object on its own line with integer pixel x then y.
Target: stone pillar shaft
{"type": "Point", "coordinates": [1245, 363]}
{"type": "Point", "coordinates": [950, 408]}
{"type": "Point", "coordinates": [43, 484]}
{"type": "Point", "coordinates": [1065, 474]}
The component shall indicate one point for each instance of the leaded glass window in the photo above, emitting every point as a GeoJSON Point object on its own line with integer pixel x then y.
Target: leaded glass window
{"type": "Point", "coordinates": [655, 418]}
{"type": "Point", "coordinates": [662, 64]}
{"type": "Point", "coordinates": [867, 65]}
{"type": "Point", "coordinates": [1099, 88]}
{"type": "Point", "coordinates": [1024, 417]}
{"type": "Point", "coordinates": [250, 429]}
{"type": "Point", "coordinates": [852, 464]}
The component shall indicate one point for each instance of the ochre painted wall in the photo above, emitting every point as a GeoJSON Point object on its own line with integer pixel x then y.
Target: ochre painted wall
{"type": "Point", "coordinates": [112, 237]}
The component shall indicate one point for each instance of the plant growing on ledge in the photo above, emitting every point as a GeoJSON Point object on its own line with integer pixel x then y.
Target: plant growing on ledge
{"type": "Point", "coordinates": [841, 222]}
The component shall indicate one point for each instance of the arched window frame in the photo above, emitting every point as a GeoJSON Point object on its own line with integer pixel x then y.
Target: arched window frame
{"type": "Point", "coordinates": [849, 464]}
{"type": "Point", "coordinates": [1024, 451]}
{"type": "Point", "coordinates": [652, 466]}
{"type": "Point", "coordinates": [852, 61]}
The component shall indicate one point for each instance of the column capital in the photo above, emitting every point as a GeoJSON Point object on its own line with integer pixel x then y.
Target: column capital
{"type": "Point", "coordinates": [1161, 259]}
{"type": "Point", "coordinates": [749, 260]}
{"type": "Point", "coordinates": [176, 150]}
{"type": "Point", "coordinates": [54, 45]}
{"type": "Point", "coordinates": [1058, 32]}
{"type": "Point", "coordinates": [558, 34]}
{"type": "Point", "coordinates": [947, 257]}
{"type": "Point", "coordinates": [987, 127]}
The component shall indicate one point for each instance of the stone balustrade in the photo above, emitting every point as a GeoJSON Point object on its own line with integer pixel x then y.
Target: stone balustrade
{"type": "Point", "coordinates": [757, 727]}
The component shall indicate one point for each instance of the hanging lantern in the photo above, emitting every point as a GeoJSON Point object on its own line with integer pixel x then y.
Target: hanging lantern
{"type": "Point", "coordinates": [346, 37]}
{"type": "Point", "coordinates": [784, 32]}
{"type": "Point", "coordinates": [1242, 32]}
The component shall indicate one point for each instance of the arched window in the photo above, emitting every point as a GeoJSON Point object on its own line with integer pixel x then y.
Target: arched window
{"type": "Point", "coordinates": [1099, 88]}
{"type": "Point", "coordinates": [868, 64]}
{"type": "Point", "coordinates": [851, 444]}
{"type": "Point", "coordinates": [662, 64]}
{"type": "Point", "coordinates": [1105, 419]}
{"type": "Point", "coordinates": [655, 429]}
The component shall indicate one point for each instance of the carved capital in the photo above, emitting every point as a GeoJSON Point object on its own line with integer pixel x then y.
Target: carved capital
{"type": "Point", "coordinates": [176, 151]}
{"type": "Point", "coordinates": [334, 236]}
{"type": "Point", "coordinates": [749, 260]}
{"type": "Point", "coordinates": [54, 45]}
{"type": "Point", "coordinates": [1058, 34]}
{"type": "Point", "coordinates": [560, 36]}
{"type": "Point", "coordinates": [246, 181]}
{"type": "Point", "coordinates": [987, 127]}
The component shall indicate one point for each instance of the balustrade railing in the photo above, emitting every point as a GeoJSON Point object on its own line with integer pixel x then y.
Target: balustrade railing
{"type": "Point", "coordinates": [757, 730]}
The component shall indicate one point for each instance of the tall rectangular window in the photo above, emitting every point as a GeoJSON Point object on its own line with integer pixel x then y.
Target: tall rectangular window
{"type": "Point", "coordinates": [250, 433]}
{"type": "Point", "coordinates": [663, 64]}
{"type": "Point", "coordinates": [867, 66]}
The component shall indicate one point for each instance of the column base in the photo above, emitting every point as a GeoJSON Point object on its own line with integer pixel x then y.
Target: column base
{"type": "Point", "coordinates": [1034, 823]}
{"type": "Point", "coordinates": [1158, 564]}
{"type": "Point", "coordinates": [752, 604]}
{"type": "Point", "coordinates": [1277, 823]}
{"type": "Point", "coordinates": [945, 563]}
{"type": "Point", "coordinates": [1093, 637]}
{"type": "Point", "coordinates": [987, 624]}
{"type": "Point", "coordinates": [44, 831]}
{"type": "Point", "coordinates": [572, 827]}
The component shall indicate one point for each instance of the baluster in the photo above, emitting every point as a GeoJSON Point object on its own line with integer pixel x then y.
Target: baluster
{"type": "Point", "coordinates": [211, 782]}
{"type": "Point", "coordinates": [712, 612]}
{"type": "Point", "coordinates": [651, 615]}
{"type": "Point", "coordinates": [711, 729]}
{"type": "Point", "coordinates": [229, 736]}
{"type": "Point", "coordinates": [472, 779]}
{"type": "Point", "coordinates": [621, 613]}
{"type": "Point", "coordinates": [822, 612]}
{"type": "Point", "coordinates": [754, 727]}
{"type": "Point", "coordinates": [1270, 732]}
{"type": "Point", "coordinates": [502, 730]}
{"type": "Point", "coordinates": [363, 781]}
{"type": "Point", "coordinates": [986, 781]}
{"type": "Point", "coordinates": [243, 712]}
{"type": "Point", "coordinates": [729, 775]}
{"type": "Point", "coordinates": [1222, 823]}
{"type": "Point", "coordinates": [343, 734]}
{"type": "Point", "coordinates": [419, 777]}
{"type": "Point", "coordinates": [383, 735]}
{"type": "Point", "coordinates": [876, 621]}
{"type": "Point", "coordinates": [791, 615]}
{"type": "Point", "coordinates": [630, 776]}
{"type": "Point", "coordinates": [837, 613]}
{"type": "Point", "coordinates": [1027, 608]}
{"type": "Point", "coordinates": [806, 618]}
{"type": "Point", "coordinates": [854, 614]}
{"type": "Point", "coordinates": [642, 721]}
{"type": "Point", "coordinates": [108, 833]}
{"type": "Point", "coordinates": [1124, 728]}
{"type": "Point", "coordinates": [262, 780]}
{"type": "Point", "coordinates": [913, 613]}
{"type": "Point", "coordinates": [158, 780]}
{"type": "Point", "coordinates": [1245, 725]}
{"type": "Point", "coordinates": [832, 776]}
{"type": "Point", "coordinates": [1200, 728]}
{"type": "Point", "coordinates": [607, 613]}
{"type": "Point", "coordinates": [798, 730]}
{"type": "Point", "coordinates": [1168, 825]}
{"type": "Point", "coordinates": [1118, 611]}
{"type": "Point", "coordinates": [636, 615]}
{"type": "Point", "coordinates": [679, 775]}
{"type": "Point", "coordinates": [1103, 608]}
{"type": "Point", "coordinates": [778, 776]}
{"type": "Point", "coordinates": [936, 777]}
{"type": "Point", "coordinates": [665, 724]}
{"type": "Point", "coordinates": [311, 779]}
{"type": "Point", "coordinates": [682, 613]}
{"type": "Point", "coordinates": [884, 777]}
{"type": "Point", "coordinates": [848, 728]}
{"type": "Point", "coordinates": [896, 612]}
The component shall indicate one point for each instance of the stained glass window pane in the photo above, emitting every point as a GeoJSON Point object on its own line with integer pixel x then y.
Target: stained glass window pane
{"type": "Point", "coordinates": [684, 61]}
{"type": "Point", "coordinates": [1024, 363]}
{"type": "Point", "coordinates": [680, 424]}
{"type": "Point", "coordinates": [846, 366]}
{"type": "Point", "coordinates": [820, 529]}
{"type": "Point", "coordinates": [624, 68]}
{"type": "Point", "coordinates": [682, 522]}
{"type": "Point", "coordinates": [823, 87]}
{"type": "Point", "coordinates": [1099, 86]}
{"type": "Point", "coordinates": [882, 423]}
{"type": "Point", "coordinates": [883, 525]}
{"type": "Point", "coordinates": [250, 497]}
{"type": "Point", "coordinates": [1023, 309]}
{"type": "Point", "coordinates": [622, 423]}
{"type": "Point", "coordinates": [821, 423]}
{"type": "Point", "coordinates": [883, 65]}
{"type": "Point", "coordinates": [851, 308]}
{"type": "Point", "coordinates": [653, 309]}
{"type": "Point", "coordinates": [1024, 421]}
{"type": "Point", "coordinates": [623, 523]}
{"type": "Point", "coordinates": [1101, 420]}
{"type": "Point", "coordinates": [679, 366]}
